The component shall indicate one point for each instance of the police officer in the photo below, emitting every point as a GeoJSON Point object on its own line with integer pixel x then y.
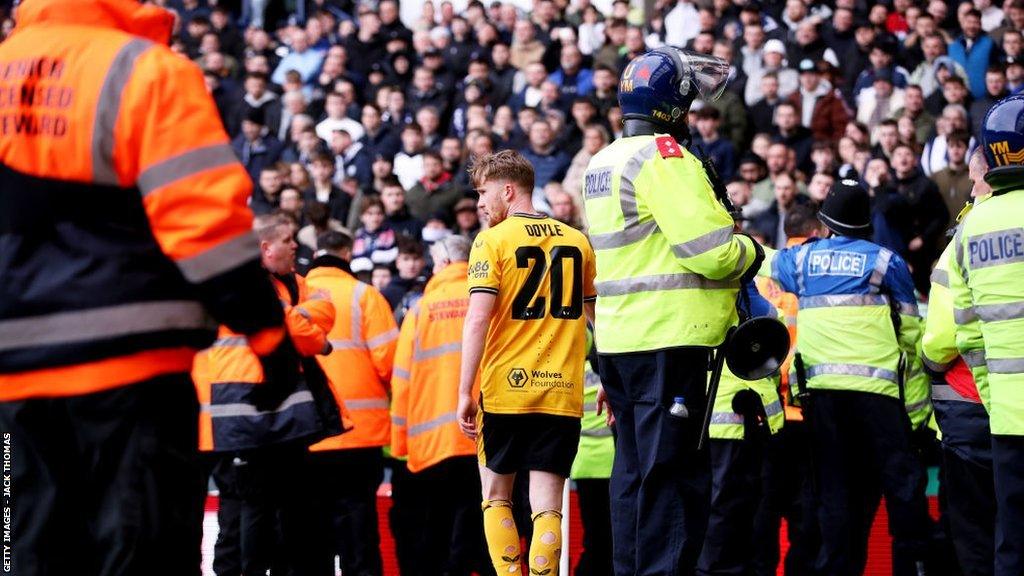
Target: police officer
{"type": "Point", "coordinates": [859, 327]}
{"type": "Point", "coordinates": [960, 414]}
{"type": "Point", "coordinates": [669, 269]}
{"type": "Point", "coordinates": [744, 415]}
{"type": "Point", "coordinates": [984, 275]}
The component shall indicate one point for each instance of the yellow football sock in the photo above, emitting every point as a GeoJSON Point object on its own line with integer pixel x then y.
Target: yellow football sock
{"type": "Point", "coordinates": [546, 546]}
{"type": "Point", "coordinates": [502, 536]}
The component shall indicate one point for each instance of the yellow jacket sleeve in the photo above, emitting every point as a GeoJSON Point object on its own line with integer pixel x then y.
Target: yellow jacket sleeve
{"type": "Point", "coordinates": [938, 346]}
{"type": "Point", "coordinates": [697, 226]}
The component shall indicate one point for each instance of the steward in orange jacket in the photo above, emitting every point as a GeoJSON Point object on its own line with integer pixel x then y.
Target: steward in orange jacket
{"type": "Point", "coordinates": [445, 484]}
{"type": "Point", "coordinates": [123, 229]}
{"type": "Point", "coordinates": [351, 467]}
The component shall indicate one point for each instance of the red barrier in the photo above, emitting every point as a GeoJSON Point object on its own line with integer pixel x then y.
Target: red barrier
{"type": "Point", "coordinates": [879, 546]}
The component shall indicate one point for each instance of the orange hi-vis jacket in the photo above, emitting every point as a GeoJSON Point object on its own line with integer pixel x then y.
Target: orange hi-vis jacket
{"type": "Point", "coordinates": [226, 373]}
{"type": "Point", "coordinates": [123, 218]}
{"type": "Point", "coordinates": [787, 304]}
{"type": "Point", "coordinates": [425, 383]}
{"type": "Point", "coordinates": [359, 366]}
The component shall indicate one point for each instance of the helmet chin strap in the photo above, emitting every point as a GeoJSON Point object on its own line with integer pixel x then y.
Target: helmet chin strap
{"type": "Point", "coordinates": [644, 127]}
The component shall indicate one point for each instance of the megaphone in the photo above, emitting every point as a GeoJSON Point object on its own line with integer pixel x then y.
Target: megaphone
{"type": "Point", "coordinates": [757, 348]}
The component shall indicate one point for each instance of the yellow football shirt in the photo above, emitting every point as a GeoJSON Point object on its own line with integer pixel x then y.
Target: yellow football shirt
{"type": "Point", "coordinates": [541, 271]}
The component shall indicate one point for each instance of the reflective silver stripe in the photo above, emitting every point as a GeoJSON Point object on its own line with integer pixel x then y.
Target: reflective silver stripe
{"type": "Point", "coordinates": [185, 165]}
{"type": "Point", "coordinates": [397, 421]}
{"type": "Point", "coordinates": [423, 427]}
{"type": "Point", "coordinates": [304, 313]}
{"type": "Point", "coordinates": [401, 373]}
{"type": "Point", "coordinates": [908, 308]}
{"type": "Point", "coordinates": [881, 266]}
{"type": "Point", "coordinates": [791, 320]}
{"type": "Point", "coordinates": [958, 245]}
{"type": "Point", "coordinates": [428, 353]}
{"type": "Point", "coordinates": [997, 312]}
{"type": "Point", "coordinates": [703, 243]}
{"type": "Point", "coordinates": [995, 236]}
{"type": "Point", "coordinates": [830, 300]}
{"type": "Point", "coordinates": [678, 281]}
{"type": "Point", "coordinates": [240, 409]}
{"type": "Point", "coordinates": [367, 404]}
{"type": "Point", "coordinates": [915, 406]}
{"type": "Point", "coordinates": [590, 406]}
{"type": "Point", "coordinates": [346, 345]}
{"type": "Point", "coordinates": [630, 235]}
{"type": "Point", "coordinates": [633, 230]}
{"type": "Point", "coordinates": [382, 339]}
{"type": "Point", "coordinates": [101, 323]}
{"type": "Point", "coordinates": [798, 263]}
{"type": "Point", "coordinates": [963, 316]}
{"type": "Point", "coordinates": [773, 408]}
{"type": "Point", "coordinates": [741, 262]}
{"type": "Point", "coordinates": [940, 277]}
{"type": "Point", "coordinates": [974, 358]}
{"type": "Point", "coordinates": [357, 313]}
{"type": "Point", "coordinates": [220, 258]}
{"type": "Point", "coordinates": [597, 433]}
{"type": "Point", "coordinates": [851, 370]}
{"type": "Point", "coordinates": [726, 418]}
{"type": "Point", "coordinates": [108, 106]}
{"type": "Point", "coordinates": [945, 392]}
{"type": "Point", "coordinates": [1005, 365]}
{"type": "Point", "coordinates": [233, 341]}
{"type": "Point", "coordinates": [935, 365]}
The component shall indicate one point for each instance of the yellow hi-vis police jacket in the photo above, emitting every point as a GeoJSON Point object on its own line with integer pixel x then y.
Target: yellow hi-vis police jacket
{"type": "Point", "coordinates": [668, 263]}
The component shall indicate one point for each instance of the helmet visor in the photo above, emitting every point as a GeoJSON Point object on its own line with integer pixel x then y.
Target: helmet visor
{"type": "Point", "coordinates": [707, 75]}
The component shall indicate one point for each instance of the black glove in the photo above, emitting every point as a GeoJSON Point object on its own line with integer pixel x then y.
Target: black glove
{"type": "Point", "coordinates": [281, 376]}
{"type": "Point", "coordinates": [758, 260]}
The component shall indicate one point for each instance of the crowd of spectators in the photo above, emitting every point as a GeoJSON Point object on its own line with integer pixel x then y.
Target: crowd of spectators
{"type": "Point", "coordinates": [348, 118]}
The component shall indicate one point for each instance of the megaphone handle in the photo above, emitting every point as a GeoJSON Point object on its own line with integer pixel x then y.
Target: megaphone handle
{"type": "Point", "coordinates": [716, 377]}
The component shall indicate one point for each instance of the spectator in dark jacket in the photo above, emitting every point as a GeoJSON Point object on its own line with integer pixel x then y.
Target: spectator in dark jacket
{"type": "Point", "coordinates": [396, 213]}
{"type": "Point", "coordinates": [769, 223]}
{"type": "Point", "coordinates": [718, 149]}
{"type": "Point", "coordinates": [257, 97]}
{"type": "Point", "coordinates": [324, 190]}
{"type": "Point", "coordinates": [818, 105]}
{"type": "Point", "coordinates": [409, 264]}
{"type": "Point", "coordinates": [549, 163]}
{"type": "Point", "coordinates": [379, 138]}
{"type": "Point", "coordinates": [762, 113]}
{"type": "Point", "coordinates": [350, 159]}
{"type": "Point", "coordinates": [788, 131]}
{"type": "Point", "coordinates": [930, 215]}
{"type": "Point", "coordinates": [255, 147]}
{"type": "Point", "coordinates": [995, 90]}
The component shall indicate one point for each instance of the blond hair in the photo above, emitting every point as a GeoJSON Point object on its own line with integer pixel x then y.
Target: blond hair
{"type": "Point", "coordinates": [507, 165]}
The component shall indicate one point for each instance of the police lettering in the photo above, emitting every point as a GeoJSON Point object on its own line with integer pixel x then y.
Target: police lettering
{"type": "Point", "coordinates": [836, 263]}
{"type": "Point", "coordinates": [543, 229]}
{"type": "Point", "coordinates": [992, 249]}
{"type": "Point", "coordinates": [598, 183]}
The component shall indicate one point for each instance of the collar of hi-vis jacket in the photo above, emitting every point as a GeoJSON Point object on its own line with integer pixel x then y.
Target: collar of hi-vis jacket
{"type": "Point", "coordinates": [450, 273]}
{"type": "Point", "coordinates": [145, 20]}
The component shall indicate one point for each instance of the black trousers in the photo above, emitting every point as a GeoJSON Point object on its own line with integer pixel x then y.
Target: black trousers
{"type": "Point", "coordinates": [280, 525]}
{"type": "Point", "coordinates": [787, 492]}
{"type": "Point", "coordinates": [1008, 472]}
{"type": "Point", "coordinates": [660, 483]}
{"type": "Point", "coordinates": [348, 488]}
{"type": "Point", "coordinates": [735, 494]}
{"type": "Point", "coordinates": [443, 503]}
{"type": "Point", "coordinates": [106, 484]}
{"type": "Point", "coordinates": [971, 508]}
{"type": "Point", "coordinates": [401, 518]}
{"type": "Point", "coordinates": [227, 551]}
{"type": "Point", "coordinates": [855, 432]}
{"type": "Point", "coordinates": [595, 514]}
